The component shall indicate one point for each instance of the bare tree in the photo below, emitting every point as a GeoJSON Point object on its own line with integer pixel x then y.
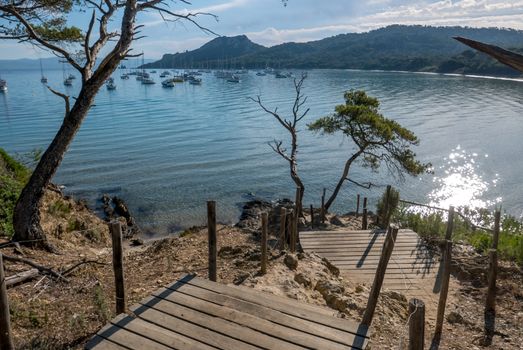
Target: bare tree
{"type": "Point", "coordinates": [291, 126]}
{"type": "Point", "coordinates": [44, 24]}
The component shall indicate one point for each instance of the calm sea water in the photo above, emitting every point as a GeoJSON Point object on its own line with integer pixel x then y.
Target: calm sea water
{"type": "Point", "coordinates": [167, 151]}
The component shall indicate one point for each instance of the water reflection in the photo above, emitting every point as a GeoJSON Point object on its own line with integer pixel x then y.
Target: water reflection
{"type": "Point", "coordinates": [462, 184]}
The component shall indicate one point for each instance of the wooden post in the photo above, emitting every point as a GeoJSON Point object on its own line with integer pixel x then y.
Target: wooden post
{"type": "Point", "coordinates": [6, 340]}
{"type": "Point", "coordinates": [364, 219]}
{"type": "Point", "coordinates": [445, 278]}
{"type": "Point", "coordinates": [294, 227]}
{"type": "Point", "coordinates": [289, 228]}
{"type": "Point", "coordinates": [283, 216]}
{"type": "Point", "coordinates": [490, 304]}
{"type": "Point", "coordinates": [265, 228]}
{"type": "Point", "coordinates": [119, 280]}
{"type": "Point", "coordinates": [388, 213]}
{"type": "Point", "coordinates": [386, 252]}
{"type": "Point", "coordinates": [312, 217]}
{"type": "Point", "coordinates": [358, 205]}
{"type": "Point", "coordinates": [450, 224]}
{"type": "Point", "coordinates": [211, 231]}
{"type": "Point", "coordinates": [322, 210]}
{"type": "Point", "coordinates": [416, 324]}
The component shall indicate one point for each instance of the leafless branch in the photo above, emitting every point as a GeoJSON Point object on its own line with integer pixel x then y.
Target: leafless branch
{"type": "Point", "coordinates": [366, 185]}
{"type": "Point", "coordinates": [65, 97]}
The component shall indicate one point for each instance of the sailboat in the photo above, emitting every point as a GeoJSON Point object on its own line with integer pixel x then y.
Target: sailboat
{"type": "Point", "coordinates": [43, 79]}
{"type": "Point", "coordinates": [3, 85]}
{"type": "Point", "coordinates": [68, 81]}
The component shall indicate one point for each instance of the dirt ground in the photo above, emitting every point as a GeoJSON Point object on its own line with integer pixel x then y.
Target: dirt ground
{"type": "Point", "coordinates": [57, 314]}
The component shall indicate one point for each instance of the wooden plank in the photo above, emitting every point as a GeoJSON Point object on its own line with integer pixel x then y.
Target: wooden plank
{"type": "Point", "coordinates": [220, 325]}
{"type": "Point", "coordinates": [269, 314]}
{"type": "Point", "coordinates": [181, 324]}
{"type": "Point", "coordinates": [284, 305]}
{"type": "Point", "coordinates": [162, 335]}
{"type": "Point", "coordinates": [129, 339]}
{"type": "Point", "coordinates": [274, 335]}
{"type": "Point", "coordinates": [99, 343]}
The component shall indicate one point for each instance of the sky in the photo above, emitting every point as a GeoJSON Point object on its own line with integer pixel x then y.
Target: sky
{"type": "Point", "coordinates": [268, 22]}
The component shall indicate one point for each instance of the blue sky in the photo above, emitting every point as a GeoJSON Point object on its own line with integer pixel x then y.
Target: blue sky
{"type": "Point", "coordinates": [268, 22]}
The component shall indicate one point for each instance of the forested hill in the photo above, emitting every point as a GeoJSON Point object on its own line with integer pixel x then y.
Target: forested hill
{"type": "Point", "coordinates": [396, 47]}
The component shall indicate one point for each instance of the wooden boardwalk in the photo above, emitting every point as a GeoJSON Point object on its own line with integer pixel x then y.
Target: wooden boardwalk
{"type": "Point", "coordinates": [194, 313]}
{"type": "Point", "coordinates": [356, 253]}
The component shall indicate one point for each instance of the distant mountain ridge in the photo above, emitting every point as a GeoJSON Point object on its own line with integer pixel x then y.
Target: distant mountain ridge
{"type": "Point", "coordinates": [396, 47]}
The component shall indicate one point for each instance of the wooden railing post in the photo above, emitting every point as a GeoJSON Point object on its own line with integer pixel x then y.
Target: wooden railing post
{"type": "Point", "coordinates": [386, 252]}
{"type": "Point", "coordinates": [358, 205]}
{"type": "Point", "coordinates": [322, 210]}
{"type": "Point", "coordinates": [6, 340]}
{"type": "Point", "coordinates": [416, 324]}
{"type": "Point", "coordinates": [445, 279]}
{"type": "Point", "coordinates": [364, 218]}
{"type": "Point", "coordinates": [283, 217]}
{"type": "Point", "coordinates": [265, 228]}
{"type": "Point", "coordinates": [450, 224]}
{"type": "Point", "coordinates": [312, 217]}
{"type": "Point", "coordinates": [211, 231]}
{"type": "Point", "coordinates": [388, 212]}
{"type": "Point", "coordinates": [293, 233]}
{"type": "Point", "coordinates": [119, 278]}
{"type": "Point", "coordinates": [490, 304]}
{"type": "Point", "coordinates": [288, 235]}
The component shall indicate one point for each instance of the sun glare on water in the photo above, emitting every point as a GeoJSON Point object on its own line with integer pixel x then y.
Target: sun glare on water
{"type": "Point", "coordinates": [458, 182]}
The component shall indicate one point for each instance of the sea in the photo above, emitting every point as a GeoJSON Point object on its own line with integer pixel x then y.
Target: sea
{"type": "Point", "coordinates": [166, 151]}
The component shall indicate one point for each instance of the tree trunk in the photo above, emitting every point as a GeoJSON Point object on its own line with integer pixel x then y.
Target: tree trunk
{"type": "Point", "coordinates": [342, 179]}
{"type": "Point", "coordinates": [294, 168]}
{"type": "Point", "coordinates": [26, 218]}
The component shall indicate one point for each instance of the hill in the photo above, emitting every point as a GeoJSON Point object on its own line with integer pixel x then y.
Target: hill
{"type": "Point", "coordinates": [396, 47]}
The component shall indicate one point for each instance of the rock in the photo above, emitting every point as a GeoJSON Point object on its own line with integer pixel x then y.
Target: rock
{"type": "Point", "coordinates": [302, 279]}
{"type": "Point", "coordinates": [229, 251]}
{"type": "Point", "coordinates": [326, 287]}
{"type": "Point", "coordinates": [395, 296]}
{"type": "Point", "coordinates": [333, 269]}
{"type": "Point", "coordinates": [251, 213]}
{"type": "Point", "coordinates": [241, 278]}
{"type": "Point", "coordinates": [291, 261]}
{"type": "Point", "coordinates": [335, 220]}
{"type": "Point", "coordinates": [455, 317]}
{"type": "Point", "coordinates": [340, 302]}
{"type": "Point", "coordinates": [136, 242]}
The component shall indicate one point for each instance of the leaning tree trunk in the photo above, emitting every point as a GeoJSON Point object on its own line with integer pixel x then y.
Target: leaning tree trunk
{"type": "Point", "coordinates": [294, 169]}
{"type": "Point", "coordinates": [26, 218]}
{"type": "Point", "coordinates": [342, 179]}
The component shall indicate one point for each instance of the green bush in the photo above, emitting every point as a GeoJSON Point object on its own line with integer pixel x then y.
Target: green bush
{"type": "Point", "coordinates": [13, 177]}
{"type": "Point", "coordinates": [430, 224]}
{"type": "Point", "coordinates": [387, 206]}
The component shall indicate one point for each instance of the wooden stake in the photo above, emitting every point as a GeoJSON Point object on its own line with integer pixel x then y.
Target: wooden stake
{"type": "Point", "coordinates": [288, 235]}
{"type": "Point", "coordinates": [322, 210]}
{"type": "Point", "coordinates": [119, 278]}
{"type": "Point", "coordinates": [211, 232]}
{"type": "Point", "coordinates": [445, 278]}
{"type": "Point", "coordinates": [6, 340]}
{"type": "Point", "coordinates": [388, 212]}
{"type": "Point", "coordinates": [416, 324]}
{"type": "Point", "coordinates": [450, 224]}
{"type": "Point", "coordinates": [490, 304]}
{"type": "Point", "coordinates": [265, 228]}
{"type": "Point", "coordinates": [358, 205]}
{"type": "Point", "coordinates": [283, 217]}
{"type": "Point", "coordinates": [312, 217]}
{"type": "Point", "coordinates": [364, 219]}
{"type": "Point", "coordinates": [294, 225]}
{"type": "Point", "coordinates": [388, 246]}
